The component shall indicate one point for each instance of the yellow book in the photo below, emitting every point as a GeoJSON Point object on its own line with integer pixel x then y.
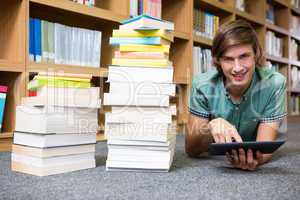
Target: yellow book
{"type": "Point", "coordinates": [142, 62]}
{"type": "Point", "coordinates": [39, 77]}
{"type": "Point", "coordinates": [144, 33]}
{"type": "Point", "coordinates": [147, 48]}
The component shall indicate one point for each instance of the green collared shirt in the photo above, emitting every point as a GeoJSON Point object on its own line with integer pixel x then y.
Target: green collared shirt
{"type": "Point", "coordinates": [264, 101]}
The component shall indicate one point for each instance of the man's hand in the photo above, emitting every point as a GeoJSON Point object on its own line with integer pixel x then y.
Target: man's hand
{"type": "Point", "coordinates": [223, 132]}
{"type": "Point", "coordinates": [245, 161]}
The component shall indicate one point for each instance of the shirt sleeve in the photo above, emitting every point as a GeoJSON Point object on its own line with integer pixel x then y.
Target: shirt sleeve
{"type": "Point", "coordinates": [198, 103]}
{"type": "Point", "coordinates": [276, 108]}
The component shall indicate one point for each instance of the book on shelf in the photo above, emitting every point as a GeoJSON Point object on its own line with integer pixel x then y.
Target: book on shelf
{"type": "Point", "coordinates": [3, 94]}
{"type": "Point", "coordinates": [270, 17]}
{"type": "Point", "coordinates": [294, 50]}
{"type": "Point", "coordinates": [150, 7]}
{"type": "Point", "coordinates": [202, 60]}
{"type": "Point", "coordinates": [60, 44]}
{"type": "Point", "coordinates": [294, 24]}
{"type": "Point", "coordinates": [241, 5]}
{"type": "Point", "coordinates": [205, 24]}
{"type": "Point", "coordinates": [117, 33]}
{"type": "Point", "coordinates": [274, 44]}
{"type": "Point", "coordinates": [85, 2]}
{"type": "Point", "coordinates": [143, 22]}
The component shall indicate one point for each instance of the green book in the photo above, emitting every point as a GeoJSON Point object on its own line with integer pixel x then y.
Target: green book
{"type": "Point", "coordinates": [36, 83]}
{"type": "Point", "coordinates": [51, 40]}
{"type": "Point", "coordinates": [44, 41]}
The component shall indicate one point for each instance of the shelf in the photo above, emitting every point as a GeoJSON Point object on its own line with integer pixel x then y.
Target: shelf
{"type": "Point", "coordinates": [69, 6]}
{"type": "Point", "coordinates": [294, 90]}
{"type": "Point", "coordinates": [282, 3]}
{"type": "Point", "coordinates": [251, 18]}
{"type": "Point", "coordinates": [11, 67]}
{"type": "Point", "coordinates": [295, 36]}
{"type": "Point", "coordinates": [40, 67]}
{"type": "Point", "coordinates": [277, 29]}
{"type": "Point", "coordinates": [183, 81]}
{"type": "Point", "coordinates": [203, 40]}
{"type": "Point", "coordinates": [294, 62]}
{"type": "Point", "coordinates": [295, 10]}
{"type": "Point", "coordinates": [6, 135]}
{"type": "Point", "coordinates": [277, 59]}
{"type": "Point", "coordinates": [181, 35]}
{"type": "Point", "coordinates": [214, 6]}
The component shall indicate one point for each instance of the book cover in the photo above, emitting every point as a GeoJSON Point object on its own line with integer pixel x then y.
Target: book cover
{"type": "Point", "coordinates": [3, 92]}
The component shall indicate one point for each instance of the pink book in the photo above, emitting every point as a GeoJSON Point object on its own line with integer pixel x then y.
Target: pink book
{"type": "Point", "coordinates": [141, 55]}
{"type": "Point", "coordinates": [3, 89]}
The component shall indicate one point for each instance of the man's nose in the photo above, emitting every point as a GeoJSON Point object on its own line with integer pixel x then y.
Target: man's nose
{"type": "Point", "coordinates": [237, 65]}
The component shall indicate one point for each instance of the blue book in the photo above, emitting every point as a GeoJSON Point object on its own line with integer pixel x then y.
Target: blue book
{"type": "Point", "coordinates": [31, 39]}
{"type": "Point", "coordinates": [37, 40]}
{"type": "Point", "coordinates": [138, 40]}
{"type": "Point", "coordinates": [3, 91]}
{"type": "Point", "coordinates": [144, 22]}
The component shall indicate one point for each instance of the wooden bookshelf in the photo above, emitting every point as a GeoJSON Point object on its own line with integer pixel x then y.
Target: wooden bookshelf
{"type": "Point", "coordinates": [15, 66]}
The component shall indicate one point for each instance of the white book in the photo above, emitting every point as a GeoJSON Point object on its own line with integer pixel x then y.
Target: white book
{"type": "Point", "coordinates": [53, 119]}
{"type": "Point", "coordinates": [53, 151]}
{"type": "Point", "coordinates": [26, 164]}
{"type": "Point", "coordinates": [143, 131]}
{"type": "Point", "coordinates": [137, 100]}
{"type": "Point", "coordinates": [140, 74]}
{"type": "Point", "coordinates": [97, 49]}
{"type": "Point", "coordinates": [144, 87]}
{"type": "Point", "coordinates": [67, 97]}
{"type": "Point", "coordinates": [138, 117]}
{"type": "Point", "coordinates": [53, 140]}
{"type": "Point", "coordinates": [146, 22]}
{"type": "Point", "coordinates": [171, 110]}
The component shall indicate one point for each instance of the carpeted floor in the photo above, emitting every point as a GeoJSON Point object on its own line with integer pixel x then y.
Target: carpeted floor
{"type": "Point", "coordinates": [205, 178]}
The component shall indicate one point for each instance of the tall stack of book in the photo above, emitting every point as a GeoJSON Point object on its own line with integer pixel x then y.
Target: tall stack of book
{"type": "Point", "coordinates": [56, 127]}
{"type": "Point", "coordinates": [139, 129]}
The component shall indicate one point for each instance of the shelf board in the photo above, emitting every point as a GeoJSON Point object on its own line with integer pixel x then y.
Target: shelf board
{"type": "Point", "coordinates": [294, 62]}
{"type": "Point", "coordinates": [70, 6]}
{"type": "Point", "coordinates": [181, 35]}
{"type": "Point", "coordinates": [277, 59]}
{"type": "Point", "coordinates": [250, 17]}
{"type": "Point", "coordinates": [11, 67]}
{"type": "Point", "coordinates": [183, 81]}
{"type": "Point", "coordinates": [295, 10]}
{"type": "Point", "coordinates": [6, 135]}
{"type": "Point", "coordinates": [203, 40]}
{"type": "Point", "coordinates": [277, 29]}
{"type": "Point", "coordinates": [40, 67]}
{"type": "Point", "coordinates": [282, 3]}
{"type": "Point", "coordinates": [100, 137]}
{"type": "Point", "coordinates": [295, 36]}
{"type": "Point", "coordinates": [214, 6]}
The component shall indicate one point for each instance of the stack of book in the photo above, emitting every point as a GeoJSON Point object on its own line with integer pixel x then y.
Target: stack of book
{"type": "Point", "coordinates": [3, 92]}
{"type": "Point", "coordinates": [139, 129]}
{"type": "Point", "coordinates": [56, 126]}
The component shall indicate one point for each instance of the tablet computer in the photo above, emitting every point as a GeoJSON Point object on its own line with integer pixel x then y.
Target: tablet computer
{"type": "Point", "coordinates": [263, 147]}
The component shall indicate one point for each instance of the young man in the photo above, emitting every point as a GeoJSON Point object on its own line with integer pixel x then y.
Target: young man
{"type": "Point", "coordinates": [241, 100]}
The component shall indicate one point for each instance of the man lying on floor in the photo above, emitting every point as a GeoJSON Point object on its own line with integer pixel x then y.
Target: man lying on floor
{"type": "Point", "coordinates": [241, 100]}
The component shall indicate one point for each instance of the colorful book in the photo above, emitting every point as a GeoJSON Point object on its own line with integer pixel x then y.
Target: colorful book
{"type": "Point", "coordinates": [142, 62]}
{"type": "Point", "coordinates": [145, 22]}
{"type": "Point", "coordinates": [31, 39]}
{"type": "Point", "coordinates": [138, 40]}
{"type": "Point", "coordinates": [145, 48]}
{"type": "Point", "coordinates": [141, 55]}
{"type": "Point", "coordinates": [3, 92]}
{"type": "Point", "coordinates": [144, 33]}
{"type": "Point", "coordinates": [40, 77]}
{"type": "Point", "coordinates": [37, 40]}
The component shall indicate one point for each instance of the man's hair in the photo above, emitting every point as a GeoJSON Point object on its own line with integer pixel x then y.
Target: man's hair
{"type": "Point", "coordinates": [234, 33]}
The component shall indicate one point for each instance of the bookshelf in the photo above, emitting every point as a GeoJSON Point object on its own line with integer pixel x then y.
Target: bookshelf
{"type": "Point", "coordinates": [16, 68]}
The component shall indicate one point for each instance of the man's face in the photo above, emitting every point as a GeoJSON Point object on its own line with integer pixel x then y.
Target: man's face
{"type": "Point", "coordinates": [238, 65]}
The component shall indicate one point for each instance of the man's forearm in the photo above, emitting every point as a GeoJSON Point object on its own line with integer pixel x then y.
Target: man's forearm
{"type": "Point", "coordinates": [197, 140]}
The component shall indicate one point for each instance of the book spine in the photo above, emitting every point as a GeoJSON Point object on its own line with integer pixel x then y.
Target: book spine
{"type": "Point", "coordinates": [2, 104]}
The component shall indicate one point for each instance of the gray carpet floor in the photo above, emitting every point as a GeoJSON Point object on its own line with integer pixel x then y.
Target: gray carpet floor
{"type": "Point", "coordinates": [204, 178]}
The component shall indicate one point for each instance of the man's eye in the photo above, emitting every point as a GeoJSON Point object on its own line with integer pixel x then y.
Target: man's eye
{"type": "Point", "coordinates": [244, 56]}
{"type": "Point", "coordinates": [228, 59]}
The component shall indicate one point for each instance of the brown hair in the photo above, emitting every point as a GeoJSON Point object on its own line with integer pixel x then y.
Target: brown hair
{"type": "Point", "coordinates": [238, 32]}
